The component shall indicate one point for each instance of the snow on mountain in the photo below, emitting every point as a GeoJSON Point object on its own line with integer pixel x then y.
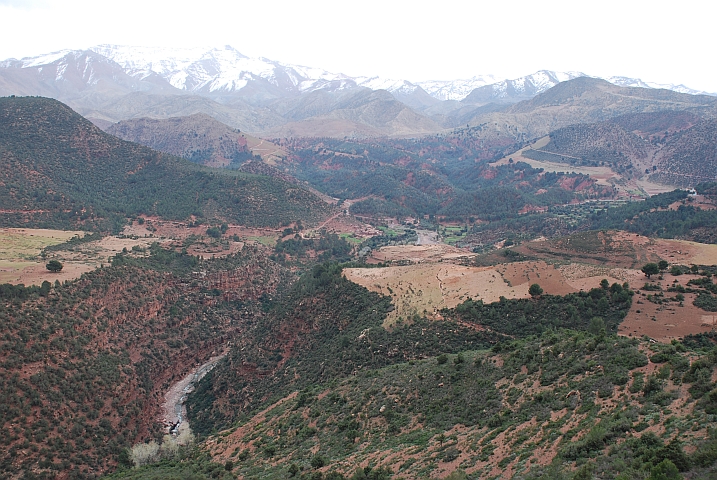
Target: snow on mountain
{"type": "Point", "coordinates": [395, 86]}
{"type": "Point", "coordinates": [225, 70]}
{"type": "Point", "coordinates": [44, 59]}
{"type": "Point", "coordinates": [519, 88]}
{"type": "Point", "coordinates": [636, 82]}
{"type": "Point", "coordinates": [457, 89]}
{"type": "Point", "coordinates": [161, 60]}
{"type": "Point", "coordinates": [213, 69]}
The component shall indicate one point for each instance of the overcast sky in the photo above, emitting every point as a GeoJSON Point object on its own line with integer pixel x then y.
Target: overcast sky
{"type": "Point", "coordinates": [668, 42]}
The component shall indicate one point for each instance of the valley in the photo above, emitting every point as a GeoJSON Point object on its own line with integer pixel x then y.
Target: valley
{"type": "Point", "coordinates": [349, 282]}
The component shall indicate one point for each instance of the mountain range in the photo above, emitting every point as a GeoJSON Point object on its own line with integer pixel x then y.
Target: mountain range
{"type": "Point", "coordinates": [328, 370]}
{"type": "Point", "coordinates": [110, 83]}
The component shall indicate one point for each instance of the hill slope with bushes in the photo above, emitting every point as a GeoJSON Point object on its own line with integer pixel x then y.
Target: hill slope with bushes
{"type": "Point", "coordinates": [58, 169]}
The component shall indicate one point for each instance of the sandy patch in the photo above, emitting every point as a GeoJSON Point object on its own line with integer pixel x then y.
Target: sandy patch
{"type": "Point", "coordinates": [701, 253]}
{"type": "Point", "coordinates": [20, 261]}
{"type": "Point", "coordinates": [425, 288]}
{"type": "Point", "coordinates": [20, 248]}
{"type": "Point", "coordinates": [26, 243]}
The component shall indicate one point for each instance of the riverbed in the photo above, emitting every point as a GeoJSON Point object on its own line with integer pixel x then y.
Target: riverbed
{"type": "Point", "coordinates": [173, 409]}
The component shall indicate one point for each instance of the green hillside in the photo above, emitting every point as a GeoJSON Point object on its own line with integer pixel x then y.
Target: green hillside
{"type": "Point", "coordinates": [338, 325]}
{"type": "Point", "coordinates": [493, 388]}
{"type": "Point", "coordinates": [58, 169]}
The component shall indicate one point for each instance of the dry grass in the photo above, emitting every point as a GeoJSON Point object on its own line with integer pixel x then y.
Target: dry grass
{"type": "Point", "coordinates": [603, 175]}
{"type": "Point", "coordinates": [19, 254]}
{"type": "Point", "coordinates": [432, 283]}
{"type": "Point", "coordinates": [424, 289]}
{"type": "Point", "coordinates": [27, 243]}
{"type": "Point", "coordinates": [20, 261]}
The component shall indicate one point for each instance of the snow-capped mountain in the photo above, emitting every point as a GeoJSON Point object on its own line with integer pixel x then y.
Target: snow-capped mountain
{"type": "Point", "coordinates": [211, 70]}
{"type": "Point", "coordinates": [523, 88]}
{"type": "Point", "coordinates": [636, 82]}
{"type": "Point", "coordinates": [71, 73]}
{"type": "Point", "coordinates": [225, 71]}
{"type": "Point", "coordinates": [109, 83]}
{"type": "Point", "coordinates": [457, 89]}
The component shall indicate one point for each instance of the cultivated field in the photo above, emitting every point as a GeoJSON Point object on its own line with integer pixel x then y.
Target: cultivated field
{"type": "Point", "coordinates": [431, 282]}
{"type": "Point", "coordinates": [418, 253]}
{"type": "Point", "coordinates": [20, 249]}
{"type": "Point", "coordinates": [604, 175]}
{"type": "Point", "coordinates": [668, 320]}
{"type": "Point", "coordinates": [21, 261]}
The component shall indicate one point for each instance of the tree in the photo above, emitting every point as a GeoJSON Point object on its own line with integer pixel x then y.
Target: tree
{"type": "Point", "coordinates": [54, 266]}
{"type": "Point", "coordinates": [650, 269]}
{"type": "Point", "coordinates": [604, 284]}
{"type": "Point", "coordinates": [597, 326]}
{"type": "Point", "coordinates": [535, 290]}
{"type": "Point", "coordinates": [662, 265]}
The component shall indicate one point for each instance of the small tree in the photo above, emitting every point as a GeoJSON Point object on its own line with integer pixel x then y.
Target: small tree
{"type": "Point", "coordinates": [650, 269]}
{"type": "Point", "coordinates": [535, 290]}
{"type": "Point", "coordinates": [665, 470]}
{"type": "Point", "coordinates": [662, 265]}
{"type": "Point", "coordinates": [54, 266]}
{"type": "Point", "coordinates": [597, 326]}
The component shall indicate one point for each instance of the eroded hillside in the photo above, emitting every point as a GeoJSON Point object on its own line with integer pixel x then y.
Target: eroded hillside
{"type": "Point", "coordinates": [84, 365]}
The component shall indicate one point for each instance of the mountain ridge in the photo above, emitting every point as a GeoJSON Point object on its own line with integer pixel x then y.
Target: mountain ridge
{"type": "Point", "coordinates": [264, 97]}
{"type": "Point", "coordinates": [221, 70]}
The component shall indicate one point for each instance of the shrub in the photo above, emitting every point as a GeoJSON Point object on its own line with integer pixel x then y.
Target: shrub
{"type": "Point", "coordinates": [317, 461]}
{"type": "Point", "coordinates": [144, 453]}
